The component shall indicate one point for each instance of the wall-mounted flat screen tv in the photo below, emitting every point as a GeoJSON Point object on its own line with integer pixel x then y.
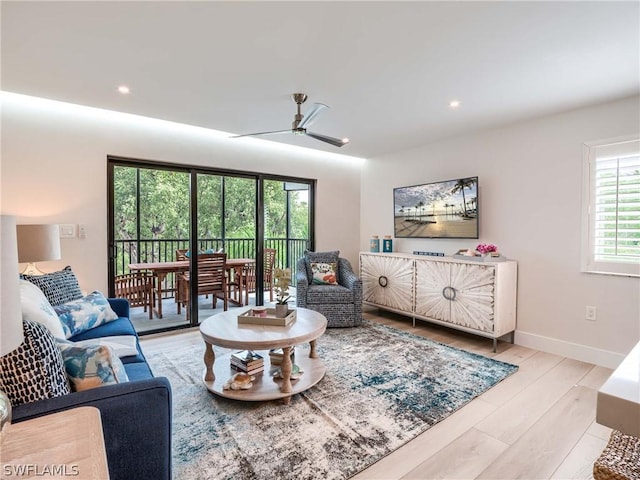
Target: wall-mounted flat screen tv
{"type": "Point", "coordinates": [446, 209]}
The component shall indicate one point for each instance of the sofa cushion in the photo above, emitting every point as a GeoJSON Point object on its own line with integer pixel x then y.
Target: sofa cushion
{"type": "Point", "coordinates": [138, 371]}
{"type": "Point", "coordinates": [91, 366]}
{"type": "Point", "coordinates": [84, 314]}
{"type": "Point", "coordinates": [59, 287]}
{"type": "Point", "coordinates": [35, 370]}
{"type": "Point", "coordinates": [119, 326]}
{"type": "Point", "coordinates": [329, 294]}
{"type": "Point", "coordinates": [319, 257]}
{"type": "Point", "coordinates": [36, 307]}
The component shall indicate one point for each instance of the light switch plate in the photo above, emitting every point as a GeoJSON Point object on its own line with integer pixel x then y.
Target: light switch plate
{"type": "Point", "coordinates": [67, 230]}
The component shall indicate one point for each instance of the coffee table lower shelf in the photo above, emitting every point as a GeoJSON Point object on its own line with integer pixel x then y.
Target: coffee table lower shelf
{"type": "Point", "coordinates": [264, 386]}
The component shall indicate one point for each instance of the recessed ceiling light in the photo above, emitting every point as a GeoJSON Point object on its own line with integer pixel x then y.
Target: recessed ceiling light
{"type": "Point", "coordinates": [454, 103]}
{"type": "Point", "coordinates": [123, 89]}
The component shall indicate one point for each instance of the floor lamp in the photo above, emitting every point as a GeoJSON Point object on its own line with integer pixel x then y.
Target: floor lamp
{"type": "Point", "coordinates": [37, 243]}
{"type": "Point", "coordinates": [11, 333]}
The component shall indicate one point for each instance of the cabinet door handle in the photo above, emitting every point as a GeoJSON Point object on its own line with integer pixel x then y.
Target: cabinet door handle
{"type": "Point", "coordinates": [383, 281]}
{"type": "Point", "coordinates": [451, 291]}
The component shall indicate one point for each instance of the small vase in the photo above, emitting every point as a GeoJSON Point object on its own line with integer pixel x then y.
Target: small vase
{"type": "Point", "coordinates": [281, 310]}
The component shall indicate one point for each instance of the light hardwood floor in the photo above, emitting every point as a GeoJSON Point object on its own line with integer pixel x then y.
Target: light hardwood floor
{"type": "Point", "coordinates": [537, 424]}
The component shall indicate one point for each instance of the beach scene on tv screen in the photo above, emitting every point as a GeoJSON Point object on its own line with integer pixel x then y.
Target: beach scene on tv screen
{"type": "Point", "coordinates": [437, 210]}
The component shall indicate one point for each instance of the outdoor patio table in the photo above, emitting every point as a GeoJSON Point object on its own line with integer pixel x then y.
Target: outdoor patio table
{"type": "Point", "coordinates": [160, 271]}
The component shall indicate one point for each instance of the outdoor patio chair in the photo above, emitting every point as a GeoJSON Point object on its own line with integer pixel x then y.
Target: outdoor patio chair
{"type": "Point", "coordinates": [249, 275]}
{"type": "Point", "coordinates": [211, 280]}
{"type": "Point", "coordinates": [137, 288]}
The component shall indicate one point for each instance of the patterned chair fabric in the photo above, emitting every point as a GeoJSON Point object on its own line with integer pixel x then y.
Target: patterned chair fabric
{"type": "Point", "coordinates": [342, 303]}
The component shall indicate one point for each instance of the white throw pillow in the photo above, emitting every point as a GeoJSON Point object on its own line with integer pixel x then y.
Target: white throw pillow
{"type": "Point", "coordinates": [36, 308]}
{"type": "Point", "coordinates": [122, 345]}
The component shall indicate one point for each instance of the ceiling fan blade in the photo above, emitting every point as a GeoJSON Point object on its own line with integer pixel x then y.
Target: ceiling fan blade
{"type": "Point", "coordinates": [315, 109]}
{"type": "Point", "coordinates": [261, 133]}
{"type": "Point", "coordinates": [336, 142]}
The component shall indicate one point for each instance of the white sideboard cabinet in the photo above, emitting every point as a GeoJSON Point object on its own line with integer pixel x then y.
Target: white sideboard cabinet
{"type": "Point", "coordinates": [477, 297]}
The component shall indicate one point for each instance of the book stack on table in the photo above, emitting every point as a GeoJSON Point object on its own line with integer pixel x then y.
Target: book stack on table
{"type": "Point", "coordinates": [276, 354]}
{"type": "Point", "coordinates": [247, 361]}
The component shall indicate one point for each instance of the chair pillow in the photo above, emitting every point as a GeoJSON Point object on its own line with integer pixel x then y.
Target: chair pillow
{"type": "Point", "coordinates": [36, 307]}
{"type": "Point", "coordinates": [84, 314]}
{"type": "Point", "coordinates": [320, 257]}
{"type": "Point", "coordinates": [59, 287]}
{"type": "Point", "coordinates": [91, 366]}
{"type": "Point", "coordinates": [324, 273]}
{"type": "Point", "coordinates": [35, 370]}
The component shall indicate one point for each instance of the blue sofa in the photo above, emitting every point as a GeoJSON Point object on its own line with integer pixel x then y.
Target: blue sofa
{"type": "Point", "coordinates": [136, 415]}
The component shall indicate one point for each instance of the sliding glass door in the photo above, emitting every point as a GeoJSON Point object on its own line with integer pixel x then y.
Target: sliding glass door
{"type": "Point", "coordinates": [159, 214]}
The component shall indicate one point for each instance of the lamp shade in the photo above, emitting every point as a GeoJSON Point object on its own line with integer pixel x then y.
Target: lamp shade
{"type": "Point", "coordinates": [11, 335]}
{"type": "Point", "coordinates": [38, 243]}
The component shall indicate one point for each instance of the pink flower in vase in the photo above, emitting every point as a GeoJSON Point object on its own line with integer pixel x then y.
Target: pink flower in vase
{"type": "Point", "coordinates": [485, 248]}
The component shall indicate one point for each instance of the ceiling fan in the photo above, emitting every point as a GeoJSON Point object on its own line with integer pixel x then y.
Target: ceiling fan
{"type": "Point", "coordinates": [301, 122]}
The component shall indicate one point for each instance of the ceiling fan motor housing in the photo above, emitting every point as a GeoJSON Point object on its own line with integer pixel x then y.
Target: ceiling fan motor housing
{"type": "Point", "coordinates": [299, 98]}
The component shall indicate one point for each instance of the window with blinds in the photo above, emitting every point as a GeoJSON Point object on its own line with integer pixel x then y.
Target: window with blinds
{"type": "Point", "coordinates": [613, 208]}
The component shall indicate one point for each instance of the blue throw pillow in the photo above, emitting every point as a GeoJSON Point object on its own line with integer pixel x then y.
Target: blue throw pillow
{"type": "Point", "coordinates": [84, 314]}
{"type": "Point", "coordinates": [90, 366]}
{"type": "Point", "coordinates": [58, 287]}
{"type": "Point", "coordinates": [35, 370]}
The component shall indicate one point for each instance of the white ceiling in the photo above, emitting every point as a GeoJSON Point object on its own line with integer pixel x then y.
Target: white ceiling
{"type": "Point", "coordinates": [387, 69]}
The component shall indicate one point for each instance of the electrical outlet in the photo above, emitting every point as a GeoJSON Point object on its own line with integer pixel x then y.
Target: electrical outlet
{"type": "Point", "coordinates": [590, 313]}
{"type": "Point", "coordinates": [82, 231]}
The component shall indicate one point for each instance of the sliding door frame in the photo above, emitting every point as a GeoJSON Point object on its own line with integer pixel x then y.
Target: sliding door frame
{"type": "Point", "coordinates": [193, 171]}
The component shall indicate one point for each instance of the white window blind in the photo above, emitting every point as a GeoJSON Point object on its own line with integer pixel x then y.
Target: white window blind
{"type": "Point", "coordinates": [613, 212]}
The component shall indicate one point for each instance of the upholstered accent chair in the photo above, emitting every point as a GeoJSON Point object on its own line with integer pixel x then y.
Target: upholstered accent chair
{"type": "Point", "coordinates": [340, 303]}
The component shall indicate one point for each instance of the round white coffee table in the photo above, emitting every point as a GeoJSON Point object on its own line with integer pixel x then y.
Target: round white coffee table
{"type": "Point", "coordinates": [223, 330]}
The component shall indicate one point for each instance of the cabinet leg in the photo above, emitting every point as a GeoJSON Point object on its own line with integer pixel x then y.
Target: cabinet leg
{"type": "Point", "coordinates": [495, 345]}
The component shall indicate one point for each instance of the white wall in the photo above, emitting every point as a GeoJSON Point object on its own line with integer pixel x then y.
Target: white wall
{"type": "Point", "coordinates": [530, 180]}
{"type": "Point", "coordinates": [54, 170]}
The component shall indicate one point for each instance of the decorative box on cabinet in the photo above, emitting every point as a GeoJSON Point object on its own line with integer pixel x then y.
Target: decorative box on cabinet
{"type": "Point", "coordinates": [476, 297]}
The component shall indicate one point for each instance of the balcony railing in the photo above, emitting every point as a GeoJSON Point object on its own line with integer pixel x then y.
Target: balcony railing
{"type": "Point", "coordinates": [288, 251]}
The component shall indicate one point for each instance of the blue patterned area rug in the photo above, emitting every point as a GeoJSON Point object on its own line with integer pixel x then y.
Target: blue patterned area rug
{"type": "Point", "coordinates": [383, 387]}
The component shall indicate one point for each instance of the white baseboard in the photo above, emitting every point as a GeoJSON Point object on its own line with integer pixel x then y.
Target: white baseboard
{"type": "Point", "coordinates": [597, 356]}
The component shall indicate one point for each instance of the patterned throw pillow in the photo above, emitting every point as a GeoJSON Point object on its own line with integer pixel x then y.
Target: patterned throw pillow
{"type": "Point", "coordinates": [36, 307]}
{"type": "Point", "coordinates": [35, 370]}
{"type": "Point", "coordinates": [84, 314]}
{"type": "Point", "coordinates": [90, 366]}
{"type": "Point", "coordinates": [324, 273]}
{"type": "Point", "coordinates": [320, 257]}
{"type": "Point", "coordinates": [58, 287]}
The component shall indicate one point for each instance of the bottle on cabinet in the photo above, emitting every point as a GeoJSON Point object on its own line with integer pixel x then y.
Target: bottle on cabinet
{"type": "Point", "coordinates": [374, 244]}
{"type": "Point", "coordinates": [387, 244]}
